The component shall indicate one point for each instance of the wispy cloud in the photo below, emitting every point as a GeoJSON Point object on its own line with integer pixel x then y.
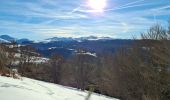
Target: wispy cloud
{"type": "Point", "coordinates": [120, 19]}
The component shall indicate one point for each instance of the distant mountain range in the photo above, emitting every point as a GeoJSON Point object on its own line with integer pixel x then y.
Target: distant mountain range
{"type": "Point", "coordinates": [7, 38]}
{"type": "Point", "coordinates": [80, 39]}
{"type": "Point", "coordinates": [67, 47]}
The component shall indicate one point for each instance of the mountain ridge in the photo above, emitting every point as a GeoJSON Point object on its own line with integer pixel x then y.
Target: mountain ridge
{"type": "Point", "coordinates": [7, 38]}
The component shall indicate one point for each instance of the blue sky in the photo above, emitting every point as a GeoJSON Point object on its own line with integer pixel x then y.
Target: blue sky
{"type": "Point", "coordinates": [40, 19]}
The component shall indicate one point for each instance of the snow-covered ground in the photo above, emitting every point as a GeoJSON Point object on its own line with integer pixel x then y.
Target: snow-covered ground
{"type": "Point", "coordinates": [39, 60]}
{"type": "Point", "coordinates": [29, 89]}
{"type": "Point", "coordinates": [33, 59]}
{"type": "Point", "coordinates": [88, 53]}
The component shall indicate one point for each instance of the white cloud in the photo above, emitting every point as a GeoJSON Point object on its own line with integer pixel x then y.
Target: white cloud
{"type": "Point", "coordinates": [73, 18]}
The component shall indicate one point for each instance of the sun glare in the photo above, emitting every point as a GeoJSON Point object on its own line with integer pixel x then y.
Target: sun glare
{"type": "Point", "coordinates": [97, 5]}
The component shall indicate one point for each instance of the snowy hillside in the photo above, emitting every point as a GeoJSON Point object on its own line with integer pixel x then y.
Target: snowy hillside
{"type": "Point", "coordinates": [29, 89]}
{"type": "Point", "coordinates": [3, 41]}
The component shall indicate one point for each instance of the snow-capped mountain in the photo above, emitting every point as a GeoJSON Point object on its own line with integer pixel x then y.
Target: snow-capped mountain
{"type": "Point", "coordinates": [8, 39]}
{"type": "Point", "coordinates": [3, 41]}
{"type": "Point", "coordinates": [91, 38]}
{"type": "Point", "coordinates": [59, 39]}
{"type": "Point", "coordinates": [88, 38]}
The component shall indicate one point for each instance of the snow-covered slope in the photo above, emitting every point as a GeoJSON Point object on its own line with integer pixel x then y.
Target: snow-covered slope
{"type": "Point", "coordinates": [29, 89]}
{"type": "Point", "coordinates": [3, 41]}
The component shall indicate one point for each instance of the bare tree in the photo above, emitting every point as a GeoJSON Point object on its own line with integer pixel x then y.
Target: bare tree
{"type": "Point", "coordinates": [141, 70]}
{"type": "Point", "coordinates": [160, 53]}
{"type": "Point", "coordinates": [56, 62]}
{"type": "Point", "coordinates": [3, 58]}
{"type": "Point", "coordinates": [156, 32]}
{"type": "Point", "coordinates": [84, 67]}
{"type": "Point", "coordinates": [25, 59]}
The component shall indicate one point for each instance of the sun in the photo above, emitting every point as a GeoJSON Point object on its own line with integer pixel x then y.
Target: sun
{"type": "Point", "coordinates": [97, 5]}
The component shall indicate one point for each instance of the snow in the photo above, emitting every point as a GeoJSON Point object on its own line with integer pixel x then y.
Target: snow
{"type": "Point", "coordinates": [33, 59]}
{"type": "Point", "coordinates": [71, 49]}
{"type": "Point", "coordinates": [54, 48]}
{"type": "Point", "coordinates": [88, 53]}
{"type": "Point", "coordinates": [39, 60]}
{"type": "Point", "coordinates": [3, 41]}
{"type": "Point", "coordinates": [29, 89]}
{"type": "Point", "coordinates": [17, 55]}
